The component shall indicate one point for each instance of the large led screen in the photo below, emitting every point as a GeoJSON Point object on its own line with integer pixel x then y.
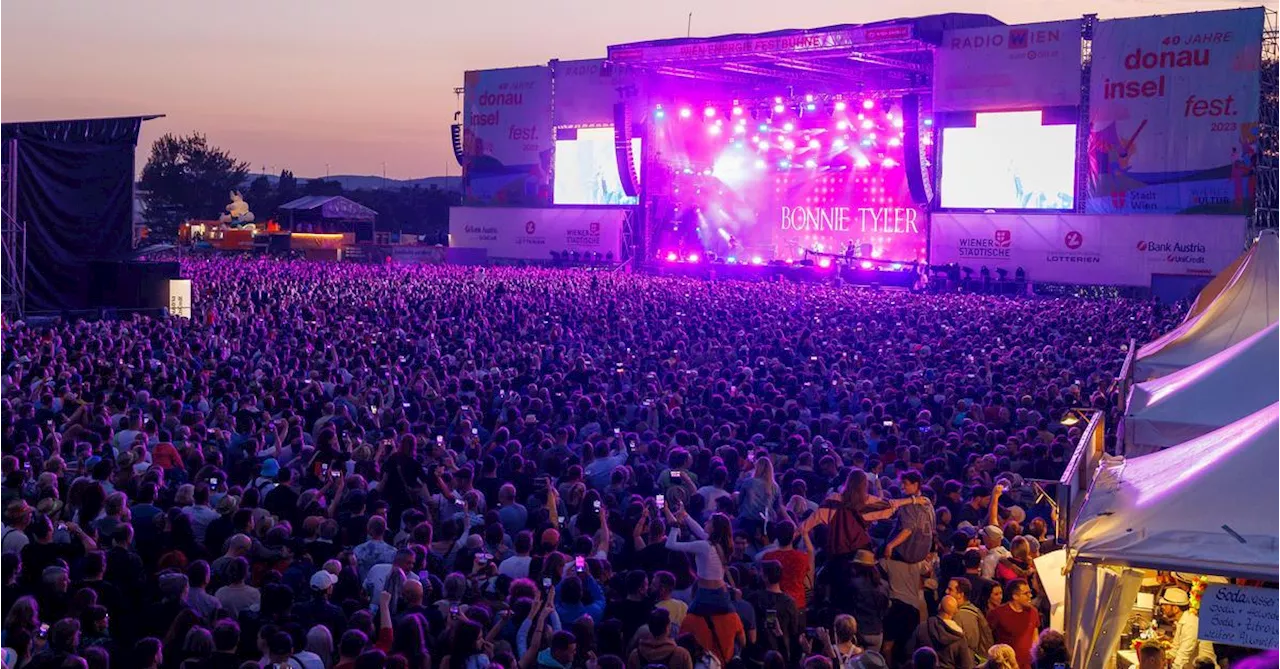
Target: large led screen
{"type": "Point", "coordinates": [587, 169]}
{"type": "Point", "coordinates": [1009, 160]}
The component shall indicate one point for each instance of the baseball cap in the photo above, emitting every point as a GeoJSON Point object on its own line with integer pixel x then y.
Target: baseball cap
{"type": "Point", "coordinates": [323, 580]}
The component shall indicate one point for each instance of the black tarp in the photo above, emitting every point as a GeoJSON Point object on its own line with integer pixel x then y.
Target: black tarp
{"type": "Point", "coordinates": [75, 196]}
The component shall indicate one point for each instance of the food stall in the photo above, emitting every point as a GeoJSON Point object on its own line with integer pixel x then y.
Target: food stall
{"type": "Point", "coordinates": [1190, 532]}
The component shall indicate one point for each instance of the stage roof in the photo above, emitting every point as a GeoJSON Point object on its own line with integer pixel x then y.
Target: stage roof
{"type": "Point", "coordinates": [894, 54]}
{"type": "Point", "coordinates": [333, 207]}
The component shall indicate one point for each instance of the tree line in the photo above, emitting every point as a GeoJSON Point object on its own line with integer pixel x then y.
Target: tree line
{"type": "Point", "coordinates": [186, 177]}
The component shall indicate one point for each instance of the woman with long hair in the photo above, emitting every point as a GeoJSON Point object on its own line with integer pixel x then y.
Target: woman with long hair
{"type": "Point", "coordinates": [24, 616]}
{"type": "Point", "coordinates": [320, 644]}
{"type": "Point", "coordinates": [1001, 656]}
{"type": "Point", "coordinates": [758, 495]}
{"type": "Point", "coordinates": [466, 650]}
{"type": "Point", "coordinates": [848, 515]}
{"type": "Point", "coordinates": [411, 641]}
{"type": "Point", "coordinates": [995, 597]}
{"type": "Point", "coordinates": [711, 547]}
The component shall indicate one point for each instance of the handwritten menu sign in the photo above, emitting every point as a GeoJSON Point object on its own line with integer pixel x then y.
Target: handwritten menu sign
{"type": "Point", "coordinates": [1240, 616]}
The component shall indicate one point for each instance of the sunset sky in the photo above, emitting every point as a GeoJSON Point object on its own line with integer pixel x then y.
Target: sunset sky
{"type": "Point", "coordinates": [298, 85]}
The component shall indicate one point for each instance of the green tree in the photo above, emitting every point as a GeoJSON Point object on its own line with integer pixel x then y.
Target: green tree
{"type": "Point", "coordinates": [185, 178]}
{"type": "Point", "coordinates": [287, 187]}
{"type": "Point", "coordinates": [259, 191]}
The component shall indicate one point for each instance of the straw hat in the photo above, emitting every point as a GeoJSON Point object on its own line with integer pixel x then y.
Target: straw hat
{"type": "Point", "coordinates": [1175, 597]}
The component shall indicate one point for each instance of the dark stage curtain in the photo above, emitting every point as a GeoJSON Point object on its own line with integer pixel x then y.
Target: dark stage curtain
{"type": "Point", "coordinates": [75, 195]}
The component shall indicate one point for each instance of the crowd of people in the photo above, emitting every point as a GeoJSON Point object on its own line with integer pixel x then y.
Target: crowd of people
{"type": "Point", "coordinates": [356, 467]}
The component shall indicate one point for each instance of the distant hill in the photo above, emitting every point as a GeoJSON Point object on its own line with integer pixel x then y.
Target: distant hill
{"type": "Point", "coordinates": [372, 182]}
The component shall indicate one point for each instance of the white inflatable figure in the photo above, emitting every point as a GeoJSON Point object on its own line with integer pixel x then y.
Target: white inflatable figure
{"type": "Point", "coordinates": [238, 214]}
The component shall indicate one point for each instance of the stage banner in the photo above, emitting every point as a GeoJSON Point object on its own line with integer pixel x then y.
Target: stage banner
{"type": "Point", "coordinates": [533, 233]}
{"type": "Point", "coordinates": [1173, 113]}
{"type": "Point", "coordinates": [1008, 68]}
{"type": "Point", "coordinates": [507, 138]}
{"type": "Point", "coordinates": [790, 42]}
{"type": "Point", "coordinates": [1088, 249]}
{"type": "Point", "coordinates": [584, 93]}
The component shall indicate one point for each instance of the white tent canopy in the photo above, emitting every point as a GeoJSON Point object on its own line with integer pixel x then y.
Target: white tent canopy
{"type": "Point", "coordinates": [1206, 506]}
{"type": "Point", "coordinates": [1196, 400]}
{"type": "Point", "coordinates": [1247, 304]}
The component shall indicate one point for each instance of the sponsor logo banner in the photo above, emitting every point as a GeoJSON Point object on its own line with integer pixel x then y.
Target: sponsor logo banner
{"type": "Point", "coordinates": [506, 135]}
{"type": "Point", "coordinates": [584, 93]}
{"type": "Point", "coordinates": [1088, 249]}
{"type": "Point", "coordinates": [1173, 113]}
{"type": "Point", "coordinates": [533, 233]}
{"type": "Point", "coordinates": [1008, 68]}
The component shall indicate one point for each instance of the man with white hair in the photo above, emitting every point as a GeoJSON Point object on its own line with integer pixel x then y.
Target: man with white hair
{"type": "Point", "coordinates": [1186, 648]}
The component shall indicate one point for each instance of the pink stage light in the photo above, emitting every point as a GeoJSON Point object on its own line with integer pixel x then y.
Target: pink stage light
{"type": "Point", "coordinates": [808, 98]}
{"type": "Point", "coordinates": [811, 163]}
{"type": "Point", "coordinates": [760, 164]}
{"type": "Point", "coordinates": [737, 111]}
{"type": "Point", "coordinates": [762, 145]}
{"type": "Point", "coordinates": [868, 104]}
{"type": "Point", "coordinates": [815, 144]}
{"type": "Point", "coordinates": [867, 124]}
{"type": "Point", "coordinates": [897, 122]}
{"type": "Point", "coordinates": [778, 99]}
{"type": "Point", "coordinates": [841, 106]}
{"type": "Point", "coordinates": [866, 264]}
{"type": "Point", "coordinates": [838, 143]}
{"type": "Point", "coordinates": [894, 141]}
{"type": "Point", "coordinates": [757, 260]}
{"type": "Point", "coordinates": [778, 109]}
{"type": "Point", "coordinates": [788, 127]}
{"type": "Point", "coordinates": [824, 263]}
{"type": "Point", "coordinates": [709, 112]}
{"type": "Point", "coordinates": [659, 113]}
{"type": "Point", "coordinates": [672, 257]}
{"type": "Point", "coordinates": [843, 125]}
{"type": "Point", "coordinates": [863, 163]}
{"type": "Point", "coordinates": [763, 127]}
{"type": "Point", "coordinates": [789, 145]}
{"type": "Point", "coordinates": [889, 162]}
{"type": "Point", "coordinates": [693, 257]}
{"type": "Point", "coordinates": [686, 112]}
{"type": "Point", "coordinates": [713, 130]}
{"type": "Point", "coordinates": [811, 107]}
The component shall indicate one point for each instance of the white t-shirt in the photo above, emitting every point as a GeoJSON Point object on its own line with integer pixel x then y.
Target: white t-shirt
{"type": "Point", "coordinates": [515, 566]}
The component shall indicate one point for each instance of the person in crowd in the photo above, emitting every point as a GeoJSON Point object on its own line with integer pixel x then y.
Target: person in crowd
{"type": "Point", "coordinates": [1185, 646]}
{"type": "Point", "coordinates": [1016, 623]}
{"type": "Point", "coordinates": [658, 647]}
{"type": "Point", "coordinates": [972, 620]}
{"type": "Point", "coordinates": [369, 465]}
{"type": "Point", "coordinates": [945, 636]}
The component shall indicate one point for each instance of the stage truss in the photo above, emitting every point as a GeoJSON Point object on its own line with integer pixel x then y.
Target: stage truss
{"type": "Point", "coordinates": [1087, 23]}
{"type": "Point", "coordinates": [13, 239]}
{"type": "Point", "coordinates": [1267, 202]}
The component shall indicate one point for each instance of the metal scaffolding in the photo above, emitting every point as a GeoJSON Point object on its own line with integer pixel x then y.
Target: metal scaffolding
{"type": "Point", "coordinates": [1083, 126]}
{"type": "Point", "coordinates": [13, 239]}
{"type": "Point", "coordinates": [1267, 199]}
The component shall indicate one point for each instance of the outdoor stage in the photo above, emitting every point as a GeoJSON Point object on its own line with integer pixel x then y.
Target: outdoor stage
{"type": "Point", "coordinates": [1065, 151]}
